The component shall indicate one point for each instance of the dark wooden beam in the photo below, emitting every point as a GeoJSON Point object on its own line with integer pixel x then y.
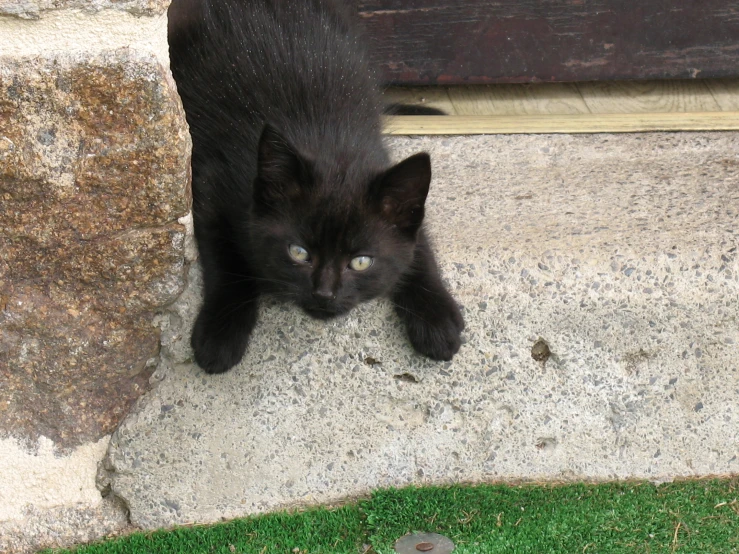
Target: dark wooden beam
{"type": "Point", "coordinates": [513, 41]}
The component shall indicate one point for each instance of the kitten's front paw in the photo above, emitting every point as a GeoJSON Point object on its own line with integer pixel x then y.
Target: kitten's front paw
{"type": "Point", "coordinates": [436, 333]}
{"type": "Point", "coordinates": [218, 346]}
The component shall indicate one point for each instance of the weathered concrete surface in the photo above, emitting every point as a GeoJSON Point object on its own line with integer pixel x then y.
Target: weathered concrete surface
{"type": "Point", "coordinates": [620, 251]}
{"type": "Point", "coordinates": [93, 177]}
{"type": "Point", "coordinates": [42, 477]}
{"type": "Point", "coordinates": [33, 9]}
{"type": "Point", "coordinates": [52, 500]}
{"type": "Point", "coordinates": [76, 32]}
{"type": "Point", "coordinates": [62, 526]}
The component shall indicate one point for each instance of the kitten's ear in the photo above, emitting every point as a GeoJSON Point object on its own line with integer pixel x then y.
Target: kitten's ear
{"type": "Point", "coordinates": [281, 171]}
{"type": "Point", "coordinates": [400, 192]}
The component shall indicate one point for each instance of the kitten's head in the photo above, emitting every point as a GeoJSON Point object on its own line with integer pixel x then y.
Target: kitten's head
{"type": "Point", "coordinates": [329, 239]}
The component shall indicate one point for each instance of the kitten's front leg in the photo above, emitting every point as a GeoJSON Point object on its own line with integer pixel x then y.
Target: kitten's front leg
{"type": "Point", "coordinates": [230, 306]}
{"type": "Point", "coordinates": [223, 327]}
{"type": "Point", "coordinates": [431, 315]}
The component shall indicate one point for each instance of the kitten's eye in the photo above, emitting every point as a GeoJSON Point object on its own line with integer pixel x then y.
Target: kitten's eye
{"type": "Point", "coordinates": [361, 263]}
{"type": "Point", "coordinates": [298, 253]}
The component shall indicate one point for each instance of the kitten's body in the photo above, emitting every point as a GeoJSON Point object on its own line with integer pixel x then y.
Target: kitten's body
{"type": "Point", "coordinates": [287, 150]}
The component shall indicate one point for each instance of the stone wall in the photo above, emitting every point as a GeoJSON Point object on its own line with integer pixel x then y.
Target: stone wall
{"type": "Point", "coordinates": [94, 162]}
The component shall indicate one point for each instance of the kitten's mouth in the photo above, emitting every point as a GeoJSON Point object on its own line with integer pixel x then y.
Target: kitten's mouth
{"type": "Point", "coordinates": [323, 313]}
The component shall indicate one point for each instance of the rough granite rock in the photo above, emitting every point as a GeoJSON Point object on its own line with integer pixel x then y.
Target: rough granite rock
{"type": "Point", "coordinates": [94, 161]}
{"type": "Point", "coordinates": [31, 9]}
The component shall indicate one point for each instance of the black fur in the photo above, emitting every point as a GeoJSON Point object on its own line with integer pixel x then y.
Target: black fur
{"type": "Point", "coordinates": [285, 120]}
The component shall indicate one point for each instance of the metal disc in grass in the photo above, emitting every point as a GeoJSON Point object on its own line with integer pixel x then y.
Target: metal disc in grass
{"type": "Point", "coordinates": [424, 542]}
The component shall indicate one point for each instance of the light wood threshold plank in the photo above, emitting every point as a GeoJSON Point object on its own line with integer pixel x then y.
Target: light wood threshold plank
{"type": "Point", "coordinates": [576, 123]}
{"type": "Point", "coordinates": [648, 96]}
{"type": "Point", "coordinates": [726, 92]}
{"type": "Point", "coordinates": [526, 99]}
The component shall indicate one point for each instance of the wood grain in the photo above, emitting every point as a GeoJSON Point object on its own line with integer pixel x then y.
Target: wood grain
{"type": "Point", "coordinates": [515, 41]}
{"type": "Point", "coordinates": [577, 123]}
{"type": "Point", "coordinates": [648, 97]}
{"type": "Point", "coordinates": [725, 92]}
{"type": "Point", "coordinates": [554, 98]}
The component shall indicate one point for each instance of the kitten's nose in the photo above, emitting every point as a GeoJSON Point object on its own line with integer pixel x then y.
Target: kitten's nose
{"type": "Point", "coordinates": [323, 285]}
{"type": "Point", "coordinates": [324, 295]}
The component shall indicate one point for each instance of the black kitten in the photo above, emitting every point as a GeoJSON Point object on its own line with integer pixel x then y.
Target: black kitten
{"type": "Point", "coordinates": [292, 194]}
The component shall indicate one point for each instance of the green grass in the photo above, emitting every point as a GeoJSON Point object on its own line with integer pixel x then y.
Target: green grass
{"type": "Point", "coordinates": [610, 518]}
{"type": "Point", "coordinates": [317, 531]}
{"type": "Point", "coordinates": [699, 517]}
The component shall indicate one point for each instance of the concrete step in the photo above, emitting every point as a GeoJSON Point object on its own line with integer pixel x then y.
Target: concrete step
{"type": "Point", "coordinates": [618, 251]}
